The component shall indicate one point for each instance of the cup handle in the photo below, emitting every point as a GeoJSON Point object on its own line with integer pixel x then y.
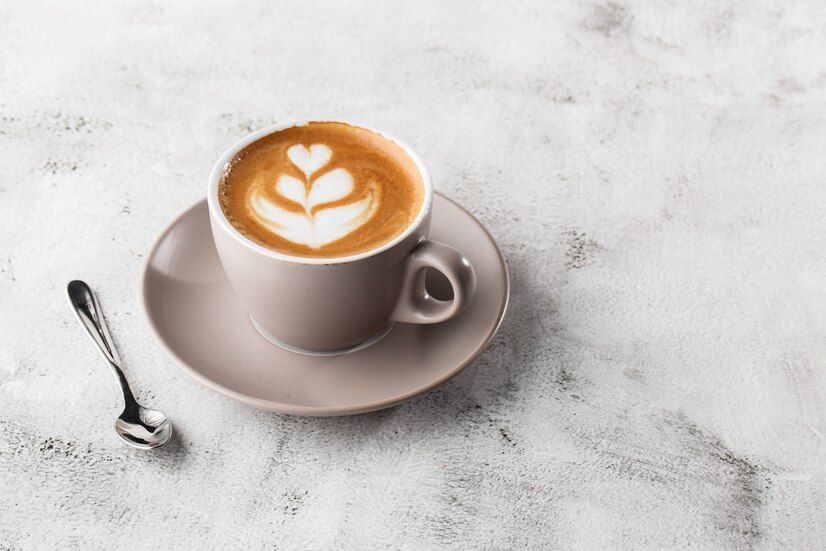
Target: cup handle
{"type": "Point", "coordinates": [415, 303]}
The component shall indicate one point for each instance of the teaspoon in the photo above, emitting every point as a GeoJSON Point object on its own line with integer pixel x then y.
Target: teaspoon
{"type": "Point", "coordinates": [140, 427]}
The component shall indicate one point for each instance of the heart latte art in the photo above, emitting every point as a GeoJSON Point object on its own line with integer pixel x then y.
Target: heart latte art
{"type": "Point", "coordinates": [321, 190]}
{"type": "Point", "coordinates": [316, 226]}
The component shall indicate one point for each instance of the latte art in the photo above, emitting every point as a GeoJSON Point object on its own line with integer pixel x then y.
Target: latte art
{"type": "Point", "coordinates": [323, 190]}
{"type": "Point", "coordinates": [317, 225]}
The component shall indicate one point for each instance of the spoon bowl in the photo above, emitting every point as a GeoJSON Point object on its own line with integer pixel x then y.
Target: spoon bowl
{"type": "Point", "coordinates": [146, 430]}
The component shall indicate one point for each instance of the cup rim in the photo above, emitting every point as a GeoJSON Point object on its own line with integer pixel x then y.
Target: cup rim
{"type": "Point", "coordinates": [223, 161]}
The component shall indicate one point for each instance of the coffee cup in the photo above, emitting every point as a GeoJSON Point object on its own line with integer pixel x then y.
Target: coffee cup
{"type": "Point", "coordinates": [335, 304]}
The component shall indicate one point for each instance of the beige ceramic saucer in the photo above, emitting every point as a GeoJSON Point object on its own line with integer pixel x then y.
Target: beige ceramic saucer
{"type": "Point", "coordinates": [194, 314]}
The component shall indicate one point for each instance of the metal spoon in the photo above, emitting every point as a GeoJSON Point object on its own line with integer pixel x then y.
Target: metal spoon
{"type": "Point", "coordinates": [140, 427]}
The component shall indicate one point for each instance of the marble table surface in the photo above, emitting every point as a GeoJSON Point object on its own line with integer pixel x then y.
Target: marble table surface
{"type": "Point", "coordinates": [653, 171]}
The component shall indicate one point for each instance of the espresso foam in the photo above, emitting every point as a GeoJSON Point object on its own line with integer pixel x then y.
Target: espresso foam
{"type": "Point", "coordinates": [324, 189]}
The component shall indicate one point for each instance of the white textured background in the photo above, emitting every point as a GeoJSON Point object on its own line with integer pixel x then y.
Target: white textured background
{"type": "Point", "coordinates": [655, 173]}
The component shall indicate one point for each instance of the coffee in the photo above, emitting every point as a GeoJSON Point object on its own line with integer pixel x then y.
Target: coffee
{"type": "Point", "coordinates": [323, 189]}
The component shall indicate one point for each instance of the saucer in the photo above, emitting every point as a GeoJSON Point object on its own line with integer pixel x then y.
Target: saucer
{"type": "Point", "coordinates": [196, 318]}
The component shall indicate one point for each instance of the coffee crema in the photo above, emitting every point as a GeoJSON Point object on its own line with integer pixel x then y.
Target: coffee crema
{"type": "Point", "coordinates": [323, 189]}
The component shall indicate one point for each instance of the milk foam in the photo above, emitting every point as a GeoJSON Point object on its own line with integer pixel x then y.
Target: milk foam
{"type": "Point", "coordinates": [314, 227]}
{"type": "Point", "coordinates": [321, 190]}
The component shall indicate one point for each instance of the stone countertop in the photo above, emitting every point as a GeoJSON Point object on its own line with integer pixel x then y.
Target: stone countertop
{"type": "Point", "coordinates": [654, 173]}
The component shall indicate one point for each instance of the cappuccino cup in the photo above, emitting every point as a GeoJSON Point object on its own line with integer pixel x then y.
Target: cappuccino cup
{"type": "Point", "coordinates": [322, 230]}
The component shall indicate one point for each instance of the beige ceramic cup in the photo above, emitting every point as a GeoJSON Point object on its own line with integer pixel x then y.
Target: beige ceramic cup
{"type": "Point", "coordinates": [336, 305]}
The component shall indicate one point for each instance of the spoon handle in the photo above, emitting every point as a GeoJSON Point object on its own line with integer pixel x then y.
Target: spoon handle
{"type": "Point", "coordinates": [88, 313]}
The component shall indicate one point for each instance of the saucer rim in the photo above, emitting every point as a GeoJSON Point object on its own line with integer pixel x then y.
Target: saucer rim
{"type": "Point", "coordinates": [312, 411]}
